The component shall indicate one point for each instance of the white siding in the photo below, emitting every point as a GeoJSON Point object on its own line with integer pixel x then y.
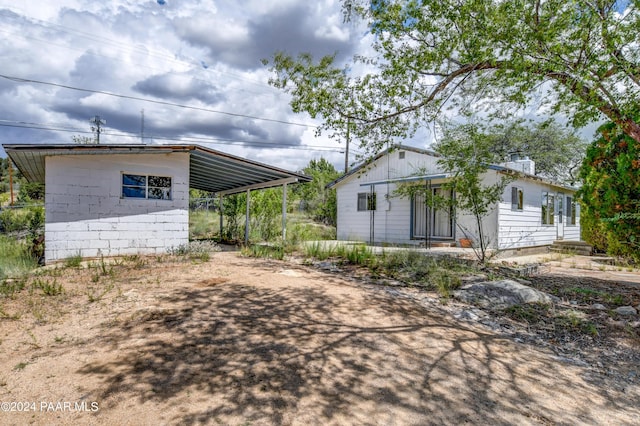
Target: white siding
{"type": "Point", "coordinates": [392, 217]}
{"type": "Point", "coordinates": [86, 215]}
{"type": "Point", "coordinates": [505, 228]}
{"type": "Point", "coordinates": [524, 228]}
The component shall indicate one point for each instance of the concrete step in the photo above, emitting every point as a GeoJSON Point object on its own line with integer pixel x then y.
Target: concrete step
{"type": "Point", "coordinates": [572, 247]}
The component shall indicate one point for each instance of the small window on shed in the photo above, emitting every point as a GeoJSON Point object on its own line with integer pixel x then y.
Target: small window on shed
{"type": "Point", "coordinates": [366, 201]}
{"type": "Point", "coordinates": [145, 186]}
{"type": "Point", "coordinates": [517, 198]}
{"type": "Point", "coordinates": [401, 155]}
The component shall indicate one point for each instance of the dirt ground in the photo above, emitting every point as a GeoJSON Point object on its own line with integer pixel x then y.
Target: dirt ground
{"type": "Point", "coordinates": [245, 341]}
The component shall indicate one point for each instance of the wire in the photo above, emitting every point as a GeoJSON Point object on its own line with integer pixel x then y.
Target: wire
{"type": "Point", "coordinates": [217, 141]}
{"type": "Point", "coordinates": [135, 98]}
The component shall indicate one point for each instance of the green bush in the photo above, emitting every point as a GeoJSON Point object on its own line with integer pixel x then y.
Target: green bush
{"type": "Point", "coordinates": [15, 258]}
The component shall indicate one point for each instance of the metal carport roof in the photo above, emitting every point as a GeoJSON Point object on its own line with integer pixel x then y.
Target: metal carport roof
{"type": "Point", "coordinates": [209, 170]}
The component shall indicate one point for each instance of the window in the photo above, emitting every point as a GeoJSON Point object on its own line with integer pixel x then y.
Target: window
{"type": "Point", "coordinates": [401, 155]}
{"type": "Point", "coordinates": [366, 201]}
{"type": "Point", "coordinates": [571, 211]}
{"type": "Point", "coordinates": [143, 186]}
{"type": "Point", "coordinates": [517, 198]}
{"type": "Point", "coordinates": [548, 208]}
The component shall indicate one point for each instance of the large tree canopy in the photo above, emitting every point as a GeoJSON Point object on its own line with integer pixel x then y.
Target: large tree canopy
{"type": "Point", "coordinates": [470, 53]}
{"type": "Point", "coordinates": [557, 153]}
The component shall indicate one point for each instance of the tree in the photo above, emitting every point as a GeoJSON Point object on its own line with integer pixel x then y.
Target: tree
{"type": "Point", "coordinates": [610, 193]}
{"type": "Point", "coordinates": [471, 53]}
{"type": "Point", "coordinates": [466, 153]}
{"type": "Point", "coordinates": [319, 201]}
{"type": "Point", "coordinates": [557, 153]}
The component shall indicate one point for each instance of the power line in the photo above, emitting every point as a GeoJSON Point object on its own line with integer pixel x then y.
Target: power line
{"type": "Point", "coordinates": [217, 141]}
{"type": "Point", "coordinates": [135, 98]}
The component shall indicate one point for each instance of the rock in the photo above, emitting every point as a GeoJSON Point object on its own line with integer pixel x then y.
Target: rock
{"type": "Point", "coordinates": [501, 294]}
{"type": "Point", "coordinates": [626, 311]}
{"type": "Point", "coordinates": [472, 315]}
{"type": "Point", "coordinates": [599, 307]}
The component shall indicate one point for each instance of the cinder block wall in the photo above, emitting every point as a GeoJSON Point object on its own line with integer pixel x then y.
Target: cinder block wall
{"type": "Point", "coordinates": [86, 214]}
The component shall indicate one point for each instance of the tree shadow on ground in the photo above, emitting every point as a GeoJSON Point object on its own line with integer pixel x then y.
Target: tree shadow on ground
{"type": "Point", "coordinates": [235, 352]}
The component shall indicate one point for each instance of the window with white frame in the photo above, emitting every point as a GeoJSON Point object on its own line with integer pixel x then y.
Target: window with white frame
{"type": "Point", "coordinates": [571, 211]}
{"type": "Point", "coordinates": [548, 208]}
{"type": "Point", "coordinates": [146, 186]}
{"type": "Point", "coordinates": [517, 198]}
{"type": "Point", "coordinates": [366, 201]}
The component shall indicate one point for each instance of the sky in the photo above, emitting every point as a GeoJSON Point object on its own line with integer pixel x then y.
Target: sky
{"type": "Point", "coordinates": [167, 71]}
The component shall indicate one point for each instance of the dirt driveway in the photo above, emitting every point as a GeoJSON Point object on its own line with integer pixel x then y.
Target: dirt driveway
{"type": "Point", "coordinates": [255, 342]}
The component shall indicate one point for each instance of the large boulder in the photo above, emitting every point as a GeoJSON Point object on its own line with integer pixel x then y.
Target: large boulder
{"type": "Point", "coordinates": [501, 294]}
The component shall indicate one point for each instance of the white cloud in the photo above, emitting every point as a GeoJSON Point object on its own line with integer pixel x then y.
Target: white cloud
{"type": "Point", "coordinates": [204, 54]}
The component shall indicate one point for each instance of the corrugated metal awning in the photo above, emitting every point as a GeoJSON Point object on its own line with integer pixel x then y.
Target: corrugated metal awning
{"type": "Point", "coordinates": [209, 170]}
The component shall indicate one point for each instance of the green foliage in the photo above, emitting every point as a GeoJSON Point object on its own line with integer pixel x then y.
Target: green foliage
{"type": "Point", "coordinates": [466, 154]}
{"type": "Point", "coordinates": [73, 261]}
{"type": "Point", "coordinates": [11, 287]}
{"type": "Point", "coordinates": [48, 288]}
{"type": "Point", "coordinates": [30, 191]}
{"type": "Point", "coordinates": [15, 258]}
{"type": "Point", "coordinates": [22, 219]}
{"type": "Point", "coordinates": [611, 191]}
{"type": "Point", "coordinates": [319, 201]}
{"type": "Point", "coordinates": [203, 224]}
{"type": "Point", "coordinates": [557, 152]}
{"type": "Point", "coordinates": [265, 210]}
{"type": "Point", "coordinates": [265, 251]}
{"type": "Point", "coordinates": [473, 55]}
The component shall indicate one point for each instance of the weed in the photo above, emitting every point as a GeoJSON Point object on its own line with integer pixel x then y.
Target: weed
{"type": "Point", "coordinates": [195, 250]}
{"type": "Point", "coordinates": [614, 299]}
{"type": "Point", "coordinates": [20, 366]}
{"type": "Point", "coordinates": [572, 319]}
{"type": "Point", "coordinates": [97, 296]}
{"type": "Point", "coordinates": [264, 251]}
{"type": "Point", "coordinates": [73, 261]}
{"type": "Point", "coordinates": [445, 282]}
{"type": "Point", "coordinates": [48, 288]}
{"type": "Point", "coordinates": [319, 250]}
{"type": "Point", "coordinates": [9, 287]}
{"type": "Point", "coordinates": [590, 328]}
{"type": "Point", "coordinates": [137, 261]}
{"type": "Point", "coordinates": [359, 255]}
{"type": "Point", "coordinates": [15, 258]}
{"type": "Point", "coordinates": [5, 315]}
{"type": "Point", "coordinates": [530, 313]}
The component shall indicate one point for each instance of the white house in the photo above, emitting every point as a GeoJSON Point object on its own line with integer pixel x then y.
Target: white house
{"type": "Point", "coordinates": [116, 200]}
{"type": "Point", "coordinates": [533, 211]}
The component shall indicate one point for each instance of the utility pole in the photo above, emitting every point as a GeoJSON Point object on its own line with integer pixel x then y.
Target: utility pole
{"type": "Point", "coordinates": [10, 180]}
{"type": "Point", "coordinates": [97, 122]}
{"type": "Point", "coordinates": [346, 151]}
{"type": "Point", "coordinates": [142, 125]}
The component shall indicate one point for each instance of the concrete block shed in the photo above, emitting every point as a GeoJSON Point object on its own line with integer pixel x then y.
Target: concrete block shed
{"type": "Point", "coordinates": [114, 200]}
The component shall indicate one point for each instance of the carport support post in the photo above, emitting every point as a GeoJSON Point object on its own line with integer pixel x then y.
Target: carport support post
{"type": "Point", "coordinates": [246, 220]}
{"type": "Point", "coordinates": [284, 213]}
{"type": "Point", "coordinates": [221, 215]}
